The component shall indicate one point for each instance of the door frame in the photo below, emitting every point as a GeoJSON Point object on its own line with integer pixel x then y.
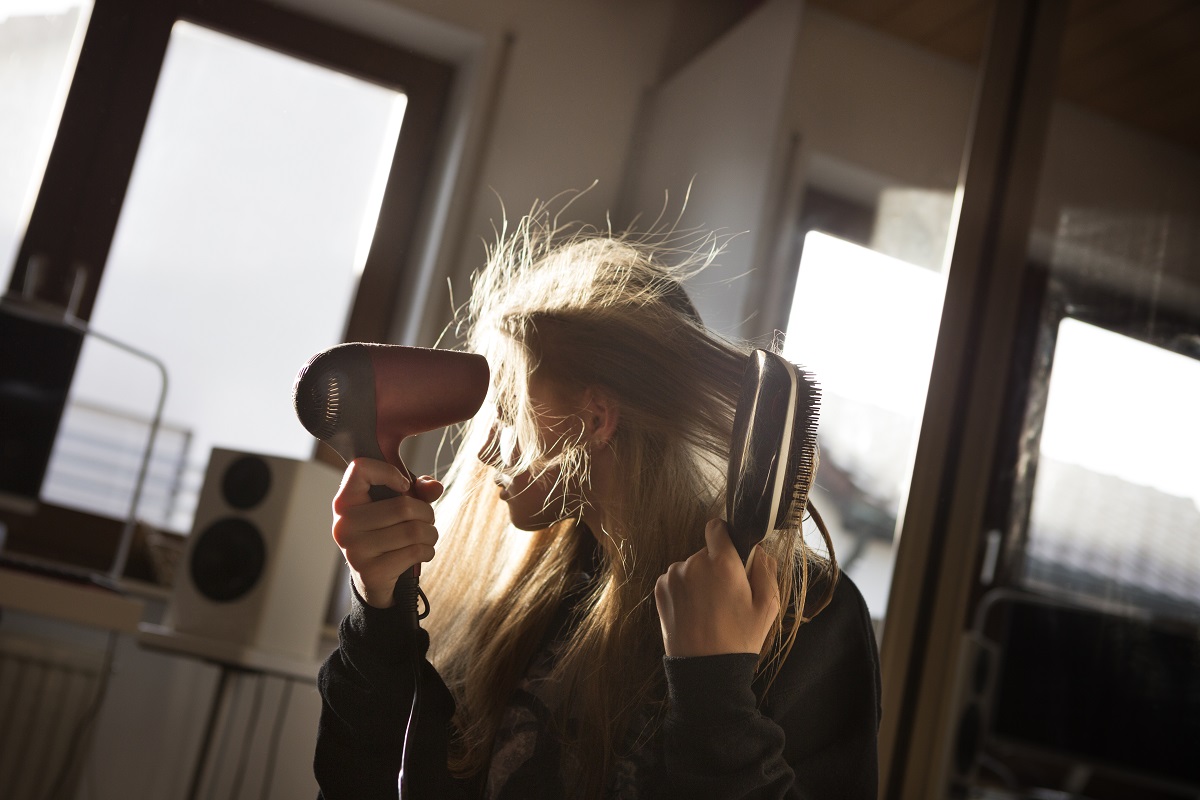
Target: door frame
{"type": "Point", "coordinates": [943, 526]}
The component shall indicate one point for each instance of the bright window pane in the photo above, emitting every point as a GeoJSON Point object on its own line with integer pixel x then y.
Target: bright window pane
{"type": "Point", "coordinates": [256, 190]}
{"type": "Point", "coordinates": [39, 45]}
{"type": "Point", "coordinates": [866, 324]}
{"type": "Point", "coordinates": [1116, 515]}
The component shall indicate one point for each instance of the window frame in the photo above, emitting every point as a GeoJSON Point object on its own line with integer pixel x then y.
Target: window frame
{"type": "Point", "coordinates": [61, 259]}
{"type": "Point", "coordinates": [1052, 297]}
{"type": "Point", "coordinates": [74, 218]}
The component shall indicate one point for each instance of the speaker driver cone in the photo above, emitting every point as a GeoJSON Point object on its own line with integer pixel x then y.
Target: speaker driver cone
{"type": "Point", "coordinates": [228, 559]}
{"type": "Point", "coordinates": [246, 482]}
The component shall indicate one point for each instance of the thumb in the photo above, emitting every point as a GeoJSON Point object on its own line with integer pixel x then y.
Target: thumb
{"type": "Point", "coordinates": [427, 489]}
{"type": "Point", "coordinates": [764, 586]}
{"type": "Point", "coordinates": [716, 539]}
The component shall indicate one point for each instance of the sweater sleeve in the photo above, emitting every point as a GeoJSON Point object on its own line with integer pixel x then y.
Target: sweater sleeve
{"type": "Point", "coordinates": [812, 735]}
{"type": "Point", "coordinates": [366, 688]}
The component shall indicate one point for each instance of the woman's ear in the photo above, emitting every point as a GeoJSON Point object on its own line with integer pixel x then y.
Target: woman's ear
{"type": "Point", "coordinates": [601, 413]}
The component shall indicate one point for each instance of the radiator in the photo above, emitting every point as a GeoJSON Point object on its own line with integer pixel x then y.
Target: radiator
{"type": "Point", "coordinates": [49, 694]}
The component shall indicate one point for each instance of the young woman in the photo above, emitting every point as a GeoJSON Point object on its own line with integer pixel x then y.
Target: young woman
{"type": "Point", "coordinates": [593, 632]}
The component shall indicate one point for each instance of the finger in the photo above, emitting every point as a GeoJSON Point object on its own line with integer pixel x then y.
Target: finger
{"type": "Point", "coordinates": [666, 614]}
{"type": "Point", "coordinates": [428, 489]}
{"type": "Point", "coordinates": [363, 473]}
{"type": "Point", "coordinates": [716, 537]}
{"type": "Point", "coordinates": [362, 547]}
{"type": "Point", "coordinates": [383, 513]}
{"type": "Point", "coordinates": [367, 555]}
{"type": "Point", "coordinates": [386, 567]}
{"type": "Point", "coordinates": [374, 472]}
{"type": "Point", "coordinates": [382, 522]}
{"type": "Point", "coordinates": [674, 576]}
{"type": "Point", "coordinates": [662, 595]}
{"type": "Point", "coordinates": [376, 580]}
{"type": "Point", "coordinates": [764, 583]}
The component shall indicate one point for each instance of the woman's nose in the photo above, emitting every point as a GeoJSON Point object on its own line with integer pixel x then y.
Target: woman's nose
{"type": "Point", "coordinates": [500, 450]}
{"type": "Point", "coordinates": [490, 452]}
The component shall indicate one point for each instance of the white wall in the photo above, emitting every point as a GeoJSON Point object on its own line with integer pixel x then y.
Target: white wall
{"type": "Point", "coordinates": [874, 112]}
{"type": "Point", "coordinates": [711, 133]}
{"type": "Point", "coordinates": [879, 106]}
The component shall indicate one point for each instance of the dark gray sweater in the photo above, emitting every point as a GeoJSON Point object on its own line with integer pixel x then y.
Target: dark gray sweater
{"type": "Point", "coordinates": [814, 736]}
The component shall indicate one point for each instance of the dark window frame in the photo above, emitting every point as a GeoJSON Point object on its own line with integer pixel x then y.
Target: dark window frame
{"type": "Point", "coordinates": [1050, 298]}
{"type": "Point", "coordinates": [73, 221]}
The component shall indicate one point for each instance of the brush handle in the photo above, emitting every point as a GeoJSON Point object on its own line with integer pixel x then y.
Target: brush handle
{"type": "Point", "coordinates": [407, 592]}
{"type": "Point", "coordinates": [761, 429]}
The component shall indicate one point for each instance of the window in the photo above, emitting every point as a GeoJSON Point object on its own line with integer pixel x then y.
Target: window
{"type": "Point", "coordinates": [866, 325]}
{"type": "Point", "coordinates": [1115, 517]}
{"type": "Point", "coordinates": [40, 40]}
{"type": "Point", "coordinates": [212, 204]}
{"type": "Point", "coordinates": [243, 233]}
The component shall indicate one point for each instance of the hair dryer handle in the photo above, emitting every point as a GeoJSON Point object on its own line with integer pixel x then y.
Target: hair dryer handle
{"type": "Point", "coordinates": [407, 592]}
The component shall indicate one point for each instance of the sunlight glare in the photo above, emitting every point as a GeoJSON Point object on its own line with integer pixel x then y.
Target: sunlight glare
{"type": "Point", "coordinates": [1125, 408]}
{"type": "Point", "coordinates": [865, 323]}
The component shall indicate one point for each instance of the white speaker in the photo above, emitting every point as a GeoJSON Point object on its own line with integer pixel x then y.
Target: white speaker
{"type": "Point", "coordinates": [260, 562]}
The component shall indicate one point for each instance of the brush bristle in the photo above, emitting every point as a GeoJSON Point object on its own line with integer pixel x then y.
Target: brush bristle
{"type": "Point", "coordinates": [806, 458]}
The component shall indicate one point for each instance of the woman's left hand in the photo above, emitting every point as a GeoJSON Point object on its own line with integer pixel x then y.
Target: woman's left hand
{"type": "Point", "coordinates": [711, 604]}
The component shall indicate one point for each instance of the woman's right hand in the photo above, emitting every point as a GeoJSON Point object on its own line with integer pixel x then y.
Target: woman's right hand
{"type": "Point", "coordinates": [382, 539]}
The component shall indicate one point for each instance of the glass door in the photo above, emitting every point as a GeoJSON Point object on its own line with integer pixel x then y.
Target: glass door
{"type": "Point", "coordinates": [1094, 527]}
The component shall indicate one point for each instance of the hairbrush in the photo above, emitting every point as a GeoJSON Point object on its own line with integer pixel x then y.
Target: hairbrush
{"type": "Point", "coordinates": [773, 453]}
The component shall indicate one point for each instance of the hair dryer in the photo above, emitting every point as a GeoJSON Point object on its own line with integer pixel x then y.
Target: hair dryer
{"type": "Point", "coordinates": [363, 400]}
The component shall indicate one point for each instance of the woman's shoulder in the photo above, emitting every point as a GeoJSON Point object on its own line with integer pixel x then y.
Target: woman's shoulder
{"type": "Point", "coordinates": [845, 602]}
{"type": "Point", "coordinates": [834, 647]}
{"type": "Point", "coordinates": [826, 698]}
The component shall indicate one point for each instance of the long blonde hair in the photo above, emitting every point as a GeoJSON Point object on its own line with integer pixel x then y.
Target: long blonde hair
{"type": "Point", "coordinates": [585, 308]}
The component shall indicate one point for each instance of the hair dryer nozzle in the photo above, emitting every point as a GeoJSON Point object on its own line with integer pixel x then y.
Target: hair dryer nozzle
{"type": "Point", "coordinates": [364, 399]}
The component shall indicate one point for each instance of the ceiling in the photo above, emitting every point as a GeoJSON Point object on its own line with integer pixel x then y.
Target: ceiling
{"type": "Point", "coordinates": [1137, 61]}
